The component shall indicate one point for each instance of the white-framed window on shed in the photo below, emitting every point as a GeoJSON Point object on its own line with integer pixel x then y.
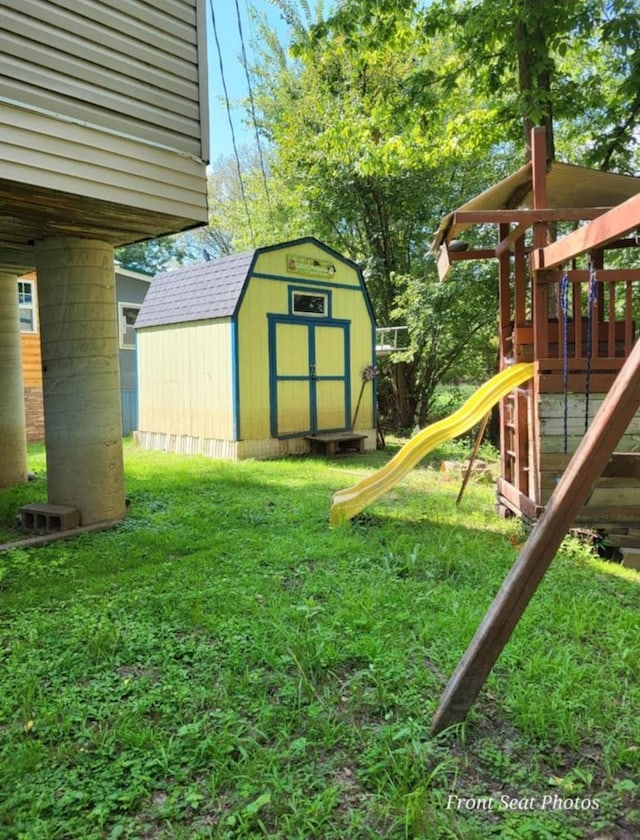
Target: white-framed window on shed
{"type": "Point", "coordinates": [313, 303]}
{"type": "Point", "coordinates": [27, 306]}
{"type": "Point", "coordinates": [127, 314]}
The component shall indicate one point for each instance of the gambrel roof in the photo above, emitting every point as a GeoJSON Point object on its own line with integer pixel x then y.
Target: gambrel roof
{"type": "Point", "coordinates": [214, 289]}
{"type": "Point", "coordinates": [196, 293]}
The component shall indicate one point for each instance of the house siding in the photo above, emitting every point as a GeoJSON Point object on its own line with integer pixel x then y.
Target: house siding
{"type": "Point", "coordinates": [32, 378]}
{"type": "Point", "coordinates": [31, 360]}
{"type": "Point", "coordinates": [129, 67]}
{"type": "Point", "coordinates": [32, 381]}
{"type": "Point", "coordinates": [104, 120]}
{"type": "Point", "coordinates": [41, 151]}
{"type": "Point", "coordinates": [129, 290]}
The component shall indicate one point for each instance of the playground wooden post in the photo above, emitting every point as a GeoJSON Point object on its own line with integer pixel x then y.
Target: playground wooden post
{"type": "Point", "coordinates": [473, 456]}
{"type": "Point", "coordinates": [572, 491]}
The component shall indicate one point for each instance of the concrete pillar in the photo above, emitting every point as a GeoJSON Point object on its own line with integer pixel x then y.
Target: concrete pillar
{"type": "Point", "coordinates": [13, 434]}
{"type": "Point", "coordinates": [81, 379]}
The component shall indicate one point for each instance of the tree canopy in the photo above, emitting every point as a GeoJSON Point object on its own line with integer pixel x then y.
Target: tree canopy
{"type": "Point", "coordinates": [380, 116]}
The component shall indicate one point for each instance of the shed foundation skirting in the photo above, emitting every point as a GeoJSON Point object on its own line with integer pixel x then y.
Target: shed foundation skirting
{"type": "Point", "coordinates": [231, 450]}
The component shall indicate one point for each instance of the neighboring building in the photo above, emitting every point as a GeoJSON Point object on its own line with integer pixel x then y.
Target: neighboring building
{"type": "Point", "coordinates": [253, 354]}
{"type": "Point", "coordinates": [131, 288]}
{"type": "Point", "coordinates": [31, 356]}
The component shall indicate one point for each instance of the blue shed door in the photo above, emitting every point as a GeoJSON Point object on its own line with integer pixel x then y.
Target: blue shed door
{"type": "Point", "coordinates": [309, 377]}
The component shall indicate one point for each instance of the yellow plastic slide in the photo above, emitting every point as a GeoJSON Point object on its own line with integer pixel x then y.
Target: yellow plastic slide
{"type": "Point", "coordinates": [347, 503]}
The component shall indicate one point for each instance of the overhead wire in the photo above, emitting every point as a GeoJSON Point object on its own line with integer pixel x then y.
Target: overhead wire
{"type": "Point", "coordinates": [233, 134]}
{"type": "Point", "coordinates": [252, 108]}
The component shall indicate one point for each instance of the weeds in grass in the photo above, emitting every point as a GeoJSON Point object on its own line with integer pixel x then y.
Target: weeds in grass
{"type": "Point", "coordinates": [223, 665]}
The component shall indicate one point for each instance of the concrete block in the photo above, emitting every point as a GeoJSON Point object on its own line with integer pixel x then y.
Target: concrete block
{"type": "Point", "coordinates": [631, 558]}
{"type": "Point", "coordinates": [45, 518]}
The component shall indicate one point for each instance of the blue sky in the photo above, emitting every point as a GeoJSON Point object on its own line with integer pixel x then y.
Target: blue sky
{"type": "Point", "coordinates": [234, 73]}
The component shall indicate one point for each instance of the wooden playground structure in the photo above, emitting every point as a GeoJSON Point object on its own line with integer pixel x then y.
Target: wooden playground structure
{"type": "Point", "coordinates": [566, 308]}
{"type": "Point", "coordinates": [577, 354]}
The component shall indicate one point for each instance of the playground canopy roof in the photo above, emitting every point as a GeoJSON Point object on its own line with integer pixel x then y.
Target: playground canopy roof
{"type": "Point", "coordinates": [568, 187]}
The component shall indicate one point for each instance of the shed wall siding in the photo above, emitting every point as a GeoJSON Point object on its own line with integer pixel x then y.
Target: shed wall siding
{"type": "Point", "coordinates": [353, 308]}
{"type": "Point", "coordinates": [129, 66]}
{"type": "Point", "coordinates": [268, 292]}
{"type": "Point", "coordinates": [261, 297]}
{"type": "Point", "coordinates": [185, 380]}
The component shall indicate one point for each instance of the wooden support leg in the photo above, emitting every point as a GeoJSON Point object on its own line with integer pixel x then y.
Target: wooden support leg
{"type": "Point", "coordinates": [476, 446]}
{"type": "Point", "coordinates": [586, 465]}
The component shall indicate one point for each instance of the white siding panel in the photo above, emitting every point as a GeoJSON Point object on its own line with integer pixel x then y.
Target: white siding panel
{"type": "Point", "coordinates": [81, 31]}
{"type": "Point", "coordinates": [39, 150]}
{"type": "Point", "coordinates": [172, 16]}
{"type": "Point", "coordinates": [67, 46]}
{"type": "Point", "coordinates": [35, 69]}
{"type": "Point", "coordinates": [164, 121]}
{"type": "Point", "coordinates": [121, 65]}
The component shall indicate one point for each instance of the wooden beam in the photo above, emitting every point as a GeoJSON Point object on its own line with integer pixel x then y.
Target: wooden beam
{"type": "Point", "coordinates": [464, 218]}
{"type": "Point", "coordinates": [520, 282]}
{"type": "Point", "coordinates": [517, 501]}
{"type": "Point", "coordinates": [609, 227]}
{"type": "Point", "coordinates": [504, 286]}
{"type": "Point", "coordinates": [45, 539]}
{"type": "Point", "coordinates": [573, 489]}
{"type": "Point", "coordinates": [476, 254]}
{"type": "Point", "coordinates": [443, 261]}
{"type": "Point", "coordinates": [507, 241]}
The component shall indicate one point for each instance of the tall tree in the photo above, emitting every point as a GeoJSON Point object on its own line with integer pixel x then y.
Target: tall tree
{"type": "Point", "coordinates": [160, 254]}
{"type": "Point", "coordinates": [534, 62]}
{"type": "Point", "coordinates": [368, 153]}
{"type": "Point", "coordinates": [386, 114]}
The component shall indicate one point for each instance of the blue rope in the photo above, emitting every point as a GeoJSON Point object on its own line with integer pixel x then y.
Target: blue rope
{"type": "Point", "coordinates": [592, 301]}
{"type": "Point", "coordinates": [564, 307]}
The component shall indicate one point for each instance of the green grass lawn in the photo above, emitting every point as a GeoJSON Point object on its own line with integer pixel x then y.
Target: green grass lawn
{"type": "Point", "coordinates": [224, 665]}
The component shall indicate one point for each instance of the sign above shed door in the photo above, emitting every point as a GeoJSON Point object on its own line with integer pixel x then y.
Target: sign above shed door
{"type": "Point", "coordinates": [309, 376]}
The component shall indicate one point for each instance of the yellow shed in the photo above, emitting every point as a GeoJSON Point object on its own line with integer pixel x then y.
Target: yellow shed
{"type": "Point", "coordinates": [258, 355]}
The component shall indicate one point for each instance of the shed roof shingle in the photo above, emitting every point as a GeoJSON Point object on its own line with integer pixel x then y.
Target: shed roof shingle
{"type": "Point", "coordinates": [196, 293]}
